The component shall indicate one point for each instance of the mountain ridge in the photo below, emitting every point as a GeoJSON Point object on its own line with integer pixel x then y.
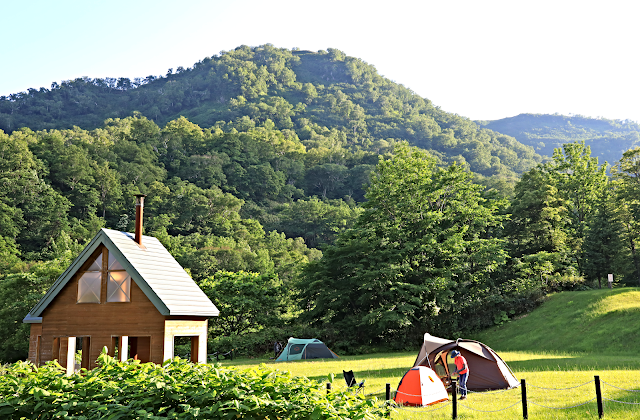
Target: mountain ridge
{"type": "Point", "coordinates": [309, 94]}
{"type": "Point", "coordinates": [608, 139]}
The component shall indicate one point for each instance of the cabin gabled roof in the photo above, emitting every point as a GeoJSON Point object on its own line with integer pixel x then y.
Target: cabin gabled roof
{"type": "Point", "coordinates": [151, 267]}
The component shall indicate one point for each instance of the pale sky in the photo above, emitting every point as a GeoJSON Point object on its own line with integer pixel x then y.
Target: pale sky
{"type": "Point", "coordinates": [482, 59]}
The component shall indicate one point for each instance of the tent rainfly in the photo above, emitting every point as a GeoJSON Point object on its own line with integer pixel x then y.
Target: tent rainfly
{"type": "Point", "coordinates": [486, 369]}
{"type": "Point", "coordinates": [420, 386]}
{"type": "Point", "coordinates": [305, 348]}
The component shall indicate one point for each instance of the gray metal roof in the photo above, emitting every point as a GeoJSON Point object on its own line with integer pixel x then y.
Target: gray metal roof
{"type": "Point", "coordinates": [154, 270]}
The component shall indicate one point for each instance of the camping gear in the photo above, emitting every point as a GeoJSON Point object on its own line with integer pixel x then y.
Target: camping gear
{"type": "Point", "coordinates": [420, 386]}
{"type": "Point", "coordinates": [486, 369]}
{"type": "Point", "coordinates": [305, 348]}
{"type": "Point", "coordinates": [350, 379]}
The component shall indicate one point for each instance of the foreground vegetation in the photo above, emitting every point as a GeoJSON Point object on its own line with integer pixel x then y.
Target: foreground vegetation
{"type": "Point", "coordinates": [251, 388]}
{"type": "Point", "coordinates": [176, 390]}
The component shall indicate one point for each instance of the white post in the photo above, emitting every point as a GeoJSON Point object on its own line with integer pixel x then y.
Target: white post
{"type": "Point", "coordinates": [168, 344]}
{"type": "Point", "coordinates": [610, 281]}
{"type": "Point", "coordinates": [202, 347]}
{"type": "Point", "coordinates": [124, 348]}
{"type": "Point", "coordinates": [71, 356]}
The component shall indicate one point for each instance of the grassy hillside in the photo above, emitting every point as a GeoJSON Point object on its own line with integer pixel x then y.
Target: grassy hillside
{"type": "Point", "coordinates": [597, 321]}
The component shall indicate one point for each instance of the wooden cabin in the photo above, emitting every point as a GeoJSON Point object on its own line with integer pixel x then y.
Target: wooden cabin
{"type": "Point", "coordinates": [124, 292]}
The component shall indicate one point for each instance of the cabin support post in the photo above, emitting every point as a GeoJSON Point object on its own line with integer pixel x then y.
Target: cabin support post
{"type": "Point", "coordinates": [71, 355]}
{"type": "Point", "coordinates": [124, 348]}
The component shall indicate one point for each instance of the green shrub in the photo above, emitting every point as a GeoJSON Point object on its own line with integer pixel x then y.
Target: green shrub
{"type": "Point", "coordinates": [176, 390]}
{"type": "Point", "coordinates": [565, 283]}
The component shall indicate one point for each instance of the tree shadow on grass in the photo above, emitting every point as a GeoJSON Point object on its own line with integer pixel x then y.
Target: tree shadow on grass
{"type": "Point", "coordinates": [366, 374]}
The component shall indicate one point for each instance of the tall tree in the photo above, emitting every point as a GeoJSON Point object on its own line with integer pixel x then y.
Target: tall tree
{"type": "Point", "coordinates": [538, 216]}
{"type": "Point", "coordinates": [420, 249]}
{"type": "Point", "coordinates": [627, 173]}
{"type": "Point", "coordinates": [35, 212]}
{"type": "Point", "coordinates": [602, 243]}
{"type": "Point", "coordinates": [580, 181]}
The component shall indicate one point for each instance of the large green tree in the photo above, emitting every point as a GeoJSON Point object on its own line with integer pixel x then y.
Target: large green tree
{"type": "Point", "coordinates": [421, 252]}
{"type": "Point", "coordinates": [627, 173]}
{"type": "Point", "coordinates": [555, 205]}
{"type": "Point", "coordinates": [247, 302]}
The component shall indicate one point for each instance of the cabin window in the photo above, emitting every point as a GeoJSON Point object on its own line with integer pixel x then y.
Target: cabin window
{"type": "Point", "coordinates": [119, 287]}
{"type": "Point", "coordinates": [118, 283]}
{"type": "Point", "coordinates": [90, 282]}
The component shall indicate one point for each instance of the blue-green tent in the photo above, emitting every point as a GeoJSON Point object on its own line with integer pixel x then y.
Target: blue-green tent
{"type": "Point", "coordinates": [305, 348]}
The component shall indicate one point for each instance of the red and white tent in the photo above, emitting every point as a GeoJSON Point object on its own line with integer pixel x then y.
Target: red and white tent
{"type": "Point", "coordinates": [420, 386]}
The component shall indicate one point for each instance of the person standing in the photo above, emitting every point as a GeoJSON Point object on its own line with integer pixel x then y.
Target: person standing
{"type": "Point", "coordinates": [462, 369]}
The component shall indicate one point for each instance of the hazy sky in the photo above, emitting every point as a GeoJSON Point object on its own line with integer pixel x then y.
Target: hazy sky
{"type": "Point", "coordinates": [482, 59]}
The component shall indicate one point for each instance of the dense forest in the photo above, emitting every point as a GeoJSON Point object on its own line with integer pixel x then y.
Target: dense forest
{"type": "Point", "coordinates": [330, 101]}
{"type": "Point", "coordinates": [306, 195]}
{"type": "Point", "coordinates": [608, 139]}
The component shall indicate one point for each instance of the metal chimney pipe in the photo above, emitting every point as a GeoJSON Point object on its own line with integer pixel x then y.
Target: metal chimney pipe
{"type": "Point", "coordinates": [139, 209]}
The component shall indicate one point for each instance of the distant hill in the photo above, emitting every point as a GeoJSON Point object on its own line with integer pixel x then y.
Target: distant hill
{"type": "Point", "coordinates": [608, 139]}
{"type": "Point", "coordinates": [326, 98]}
{"type": "Point", "coordinates": [603, 321]}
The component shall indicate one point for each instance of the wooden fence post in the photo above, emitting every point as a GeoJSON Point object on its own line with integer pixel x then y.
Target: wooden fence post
{"type": "Point", "coordinates": [525, 411]}
{"type": "Point", "coordinates": [328, 387]}
{"type": "Point", "coordinates": [454, 399]}
{"type": "Point", "coordinates": [388, 393]}
{"type": "Point", "coordinates": [599, 397]}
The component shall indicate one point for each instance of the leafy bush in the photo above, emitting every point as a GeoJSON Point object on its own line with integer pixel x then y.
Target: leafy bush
{"type": "Point", "coordinates": [176, 390]}
{"type": "Point", "coordinates": [567, 282]}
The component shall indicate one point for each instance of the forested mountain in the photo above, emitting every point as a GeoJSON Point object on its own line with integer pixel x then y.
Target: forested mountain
{"type": "Point", "coordinates": [330, 101]}
{"type": "Point", "coordinates": [346, 205]}
{"type": "Point", "coordinates": [608, 139]}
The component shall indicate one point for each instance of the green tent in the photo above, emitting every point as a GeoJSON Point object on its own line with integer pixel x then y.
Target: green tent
{"type": "Point", "coordinates": [305, 348]}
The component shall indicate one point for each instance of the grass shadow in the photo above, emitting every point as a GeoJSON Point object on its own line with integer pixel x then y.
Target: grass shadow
{"type": "Point", "coordinates": [576, 362]}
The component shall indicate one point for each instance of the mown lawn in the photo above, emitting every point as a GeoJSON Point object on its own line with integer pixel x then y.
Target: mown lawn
{"type": "Point", "coordinates": [568, 379]}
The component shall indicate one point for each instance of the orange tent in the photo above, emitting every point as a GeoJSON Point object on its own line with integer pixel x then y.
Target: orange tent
{"type": "Point", "coordinates": [420, 386]}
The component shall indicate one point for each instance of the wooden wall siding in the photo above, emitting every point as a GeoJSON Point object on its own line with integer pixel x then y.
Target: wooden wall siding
{"type": "Point", "coordinates": [36, 331]}
{"type": "Point", "coordinates": [195, 349]}
{"type": "Point", "coordinates": [62, 351]}
{"type": "Point", "coordinates": [64, 317]}
{"type": "Point", "coordinates": [139, 349]}
{"type": "Point", "coordinates": [86, 353]}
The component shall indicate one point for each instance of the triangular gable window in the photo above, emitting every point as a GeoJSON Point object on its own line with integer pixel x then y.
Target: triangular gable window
{"type": "Point", "coordinates": [114, 264]}
{"type": "Point", "coordinates": [90, 282]}
{"type": "Point", "coordinates": [118, 283]}
{"type": "Point", "coordinates": [117, 279]}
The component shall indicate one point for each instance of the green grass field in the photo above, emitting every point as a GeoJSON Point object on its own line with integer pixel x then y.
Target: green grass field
{"type": "Point", "coordinates": [557, 349]}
